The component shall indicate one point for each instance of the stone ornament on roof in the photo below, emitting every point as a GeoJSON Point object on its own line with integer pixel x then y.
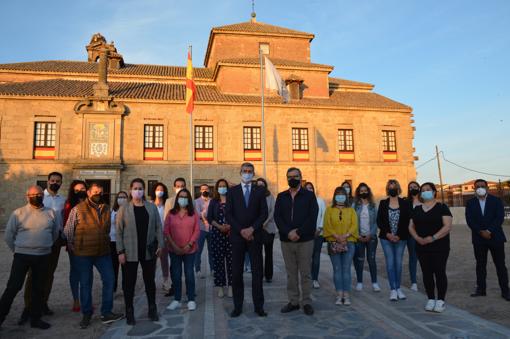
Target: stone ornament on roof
{"type": "Point", "coordinates": [97, 44]}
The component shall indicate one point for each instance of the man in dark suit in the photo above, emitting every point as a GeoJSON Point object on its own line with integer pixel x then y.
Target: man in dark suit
{"type": "Point", "coordinates": [484, 215]}
{"type": "Point", "coordinates": [246, 211]}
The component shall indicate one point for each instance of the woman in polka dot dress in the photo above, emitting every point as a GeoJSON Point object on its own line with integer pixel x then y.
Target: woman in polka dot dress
{"type": "Point", "coordinates": [220, 244]}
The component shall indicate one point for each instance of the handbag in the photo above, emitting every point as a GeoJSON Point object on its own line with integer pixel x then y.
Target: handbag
{"type": "Point", "coordinates": [334, 247]}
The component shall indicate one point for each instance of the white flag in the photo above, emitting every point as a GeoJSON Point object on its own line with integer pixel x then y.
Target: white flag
{"type": "Point", "coordinates": [274, 80]}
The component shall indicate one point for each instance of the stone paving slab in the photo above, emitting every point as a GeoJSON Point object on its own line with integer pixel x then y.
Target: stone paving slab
{"type": "Point", "coordinates": [371, 315]}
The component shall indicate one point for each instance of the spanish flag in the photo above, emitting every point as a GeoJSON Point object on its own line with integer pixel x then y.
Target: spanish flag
{"type": "Point", "coordinates": [190, 86]}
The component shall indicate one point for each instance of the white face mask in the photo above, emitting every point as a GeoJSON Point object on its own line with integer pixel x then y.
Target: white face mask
{"type": "Point", "coordinates": [121, 201]}
{"type": "Point", "coordinates": [137, 194]}
{"type": "Point", "coordinates": [160, 194]}
{"type": "Point", "coordinates": [177, 190]}
{"type": "Point", "coordinates": [481, 192]}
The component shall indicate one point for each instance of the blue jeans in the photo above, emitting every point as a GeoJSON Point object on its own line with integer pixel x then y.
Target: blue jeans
{"type": "Point", "coordinates": [103, 264]}
{"type": "Point", "coordinates": [176, 263]}
{"type": "Point", "coordinates": [316, 257]}
{"type": "Point", "coordinates": [204, 236]}
{"type": "Point", "coordinates": [393, 253]}
{"type": "Point", "coordinates": [342, 268]}
{"type": "Point", "coordinates": [368, 248]}
{"type": "Point", "coordinates": [74, 277]}
{"type": "Point", "coordinates": [413, 258]}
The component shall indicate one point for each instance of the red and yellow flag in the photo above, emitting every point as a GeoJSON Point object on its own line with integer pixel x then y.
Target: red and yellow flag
{"type": "Point", "coordinates": [191, 89]}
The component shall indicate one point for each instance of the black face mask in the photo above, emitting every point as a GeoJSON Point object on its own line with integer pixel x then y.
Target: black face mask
{"type": "Point", "coordinates": [54, 187]}
{"type": "Point", "coordinates": [363, 195]}
{"type": "Point", "coordinates": [36, 201]}
{"type": "Point", "coordinates": [205, 194]}
{"type": "Point", "coordinates": [393, 192]}
{"type": "Point", "coordinates": [414, 192]}
{"type": "Point", "coordinates": [81, 195]}
{"type": "Point", "coordinates": [293, 183]}
{"type": "Point", "coordinates": [96, 198]}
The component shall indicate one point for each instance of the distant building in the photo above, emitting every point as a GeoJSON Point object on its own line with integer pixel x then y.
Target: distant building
{"type": "Point", "coordinates": [459, 194]}
{"type": "Point", "coordinates": [106, 119]}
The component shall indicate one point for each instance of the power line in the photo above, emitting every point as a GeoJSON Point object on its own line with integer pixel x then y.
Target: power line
{"type": "Point", "coordinates": [426, 162]}
{"type": "Point", "coordinates": [472, 170]}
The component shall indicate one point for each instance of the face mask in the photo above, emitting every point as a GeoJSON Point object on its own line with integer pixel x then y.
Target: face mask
{"type": "Point", "coordinates": [160, 194]}
{"type": "Point", "coordinates": [293, 183]}
{"type": "Point", "coordinates": [393, 192]}
{"type": "Point", "coordinates": [427, 195]}
{"type": "Point", "coordinates": [363, 195]}
{"type": "Point", "coordinates": [183, 202]}
{"type": "Point", "coordinates": [36, 201]}
{"type": "Point", "coordinates": [54, 187]}
{"type": "Point", "coordinates": [222, 190]}
{"type": "Point", "coordinates": [340, 198]}
{"type": "Point", "coordinates": [205, 194]}
{"type": "Point", "coordinates": [121, 201]}
{"type": "Point", "coordinates": [81, 195]}
{"type": "Point", "coordinates": [246, 177]}
{"type": "Point", "coordinates": [414, 192]}
{"type": "Point", "coordinates": [347, 189]}
{"type": "Point", "coordinates": [96, 198]}
{"type": "Point", "coordinates": [177, 190]}
{"type": "Point", "coordinates": [137, 194]}
{"type": "Point", "coordinates": [481, 192]}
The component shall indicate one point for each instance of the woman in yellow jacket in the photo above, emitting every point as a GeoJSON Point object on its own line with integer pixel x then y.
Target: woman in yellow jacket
{"type": "Point", "coordinates": [341, 233]}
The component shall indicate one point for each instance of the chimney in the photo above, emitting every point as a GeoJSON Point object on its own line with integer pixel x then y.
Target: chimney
{"type": "Point", "coordinates": [101, 88]}
{"type": "Point", "coordinates": [295, 86]}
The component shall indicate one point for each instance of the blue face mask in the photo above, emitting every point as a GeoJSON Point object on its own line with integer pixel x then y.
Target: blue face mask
{"type": "Point", "coordinates": [347, 189]}
{"type": "Point", "coordinates": [222, 190]}
{"type": "Point", "coordinates": [427, 195]}
{"type": "Point", "coordinates": [247, 177]}
{"type": "Point", "coordinates": [340, 198]}
{"type": "Point", "coordinates": [183, 202]}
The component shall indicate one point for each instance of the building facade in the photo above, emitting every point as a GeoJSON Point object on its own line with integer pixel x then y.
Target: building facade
{"type": "Point", "coordinates": [106, 119]}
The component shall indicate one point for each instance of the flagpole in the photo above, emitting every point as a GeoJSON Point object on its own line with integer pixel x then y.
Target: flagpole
{"type": "Point", "coordinates": [191, 141]}
{"type": "Point", "coordinates": [263, 120]}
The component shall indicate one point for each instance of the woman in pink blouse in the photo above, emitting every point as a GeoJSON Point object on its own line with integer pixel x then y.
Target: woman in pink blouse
{"type": "Point", "coordinates": [181, 234]}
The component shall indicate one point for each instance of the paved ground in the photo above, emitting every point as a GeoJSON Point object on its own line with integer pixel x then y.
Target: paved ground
{"type": "Point", "coordinates": [370, 316]}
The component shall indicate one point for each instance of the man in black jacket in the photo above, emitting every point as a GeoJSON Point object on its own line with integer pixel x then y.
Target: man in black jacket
{"type": "Point", "coordinates": [295, 215]}
{"type": "Point", "coordinates": [246, 211]}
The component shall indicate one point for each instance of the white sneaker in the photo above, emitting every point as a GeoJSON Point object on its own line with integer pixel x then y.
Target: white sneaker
{"type": "Point", "coordinates": [414, 287]}
{"type": "Point", "coordinates": [347, 301]}
{"type": "Point", "coordinates": [359, 286]}
{"type": "Point", "coordinates": [429, 307]}
{"type": "Point", "coordinates": [221, 293]}
{"type": "Point", "coordinates": [198, 274]}
{"type": "Point", "coordinates": [192, 306]}
{"type": "Point", "coordinates": [166, 284]}
{"type": "Point", "coordinates": [401, 294]}
{"type": "Point", "coordinates": [174, 305]}
{"type": "Point", "coordinates": [316, 284]}
{"type": "Point", "coordinates": [339, 300]}
{"type": "Point", "coordinates": [440, 306]}
{"type": "Point", "coordinates": [393, 295]}
{"type": "Point", "coordinates": [229, 292]}
{"type": "Point", "coordinates": [376, 287]}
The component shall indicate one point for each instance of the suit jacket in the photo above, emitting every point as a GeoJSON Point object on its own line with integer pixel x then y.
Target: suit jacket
{"type": "Point", "coordinates": [383, 219]}
{"type": "Point", "coordinates": [491, 220]}
{"type": "Point", "coordinates": [238, 216]}
{"type": "Point", "coordinates": [127, 238]}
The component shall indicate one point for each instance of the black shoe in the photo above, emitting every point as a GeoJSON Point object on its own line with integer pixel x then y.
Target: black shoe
{"type": "Point", "coordinates": [153, 313]}
{"type": "Point", "coordinates": [478, 294]}
{"type": "Point", "coordinates": [130, 317]}
{"type": "Point", "coordinates": [235, 313]}
{"type": "Point", "coordinates": [25, 315]}
{"type": "Point", "coordinates": [269, 281]}
{"type": "Point", "coordinates": [85, 321]}
{"type": "Point", "coordinates": [308, 309]}
{"type": "Point", "coordinates": [506, 296]}
{"type": "Point", "coordinates": [43, 325]}
{"type": "Point", "coordinates": [289, 308]}
{"type": "Point", "coordinates": [261, 313]}
{"type": "Point", "coordinates": [46, 310]}
{"type": "Point", "coordinates": [170, 292]}
{"type": "Point", "coordinates": [111, 317]}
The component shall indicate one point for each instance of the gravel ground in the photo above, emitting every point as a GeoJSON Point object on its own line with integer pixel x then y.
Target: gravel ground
{"type": "Point", "coordinates": [461, 275]}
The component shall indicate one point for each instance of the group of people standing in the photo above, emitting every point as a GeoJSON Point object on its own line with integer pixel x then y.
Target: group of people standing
{"type": "Point", "coordinates": [237, 222]}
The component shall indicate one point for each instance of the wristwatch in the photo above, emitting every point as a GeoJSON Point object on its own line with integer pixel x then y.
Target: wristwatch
{"type": "Point", "coordinates": [433, 238]}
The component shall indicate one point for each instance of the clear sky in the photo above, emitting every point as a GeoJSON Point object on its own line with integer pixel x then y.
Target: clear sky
{"type": "Point", "coordinates": [449, 60]}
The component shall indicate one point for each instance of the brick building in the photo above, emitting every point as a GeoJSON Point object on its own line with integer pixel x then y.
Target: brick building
{"type": "Point", "coordinates": [107, 119]}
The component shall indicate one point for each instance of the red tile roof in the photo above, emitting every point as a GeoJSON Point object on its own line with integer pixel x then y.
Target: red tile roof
{"type": "Point", "coordinates": [276, 62]}
{"type": "Point", "coordinates": [260, 27]}
{"type": "Point", "coordinates": [176, 92]}
{"type": "Point", "coordinates": [339, 82]}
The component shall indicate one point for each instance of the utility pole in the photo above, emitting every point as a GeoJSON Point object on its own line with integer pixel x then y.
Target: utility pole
{"type": "Point", "coordinates": [440, 174]}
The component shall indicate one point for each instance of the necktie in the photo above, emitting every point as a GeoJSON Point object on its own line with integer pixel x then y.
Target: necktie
{"type": "Point", "coordinates": [246, 194]}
